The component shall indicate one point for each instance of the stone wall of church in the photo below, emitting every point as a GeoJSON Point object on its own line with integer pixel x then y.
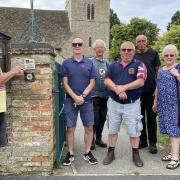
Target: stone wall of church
{"type": "Point", "coordinates": [89, 51]}
{"type": "Point", "coordinates": [98, 28]}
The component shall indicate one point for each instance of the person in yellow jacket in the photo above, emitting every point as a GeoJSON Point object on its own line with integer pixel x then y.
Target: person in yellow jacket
{"type": "Point", "coordinates": [5, 77]}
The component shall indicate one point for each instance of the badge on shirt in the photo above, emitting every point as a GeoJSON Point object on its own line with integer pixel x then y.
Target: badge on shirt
{"type": "Point", "coordinates": [131, 71]}
{"type": "Point", "coordinates": [101, 71]}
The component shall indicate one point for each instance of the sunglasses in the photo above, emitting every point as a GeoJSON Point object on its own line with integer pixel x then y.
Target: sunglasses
{"type": "Point", "coordinates": [128, 50]}
{"type": "Point", "coordinates": [77, 44]}
{"type": "Point", "coordinates": [169, 55]}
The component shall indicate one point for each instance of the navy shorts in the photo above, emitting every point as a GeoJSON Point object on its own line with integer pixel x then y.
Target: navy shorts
{"type": "Point", "coordinates": [71, 113]}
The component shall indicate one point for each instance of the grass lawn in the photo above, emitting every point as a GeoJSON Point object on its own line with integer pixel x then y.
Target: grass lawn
{"type": "Point", "coordinates": [163, 139]}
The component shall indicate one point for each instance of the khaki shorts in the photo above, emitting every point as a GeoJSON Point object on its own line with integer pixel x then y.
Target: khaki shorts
{"type": "Point", "coordinates": [130, 113]}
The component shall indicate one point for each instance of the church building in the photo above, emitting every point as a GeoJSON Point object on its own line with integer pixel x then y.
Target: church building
{"type": "Point", "coordinates": [87, 19]}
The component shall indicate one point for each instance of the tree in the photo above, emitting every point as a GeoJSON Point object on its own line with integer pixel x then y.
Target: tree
{"type": "Point", "coordinates": [113, 21]}
{"type": "Point", "coordinates": [170, 37]}
{"type": "Point", "coordinates": [142, 26]}
{"type": "Point", "coordinates": [113, 18]}
{"type": "Point", "coordinates": [119, 35]}
{"type": "Point", "coordinates": [175, 20]}
{"type": "Point", "coordinates": [123, 32]}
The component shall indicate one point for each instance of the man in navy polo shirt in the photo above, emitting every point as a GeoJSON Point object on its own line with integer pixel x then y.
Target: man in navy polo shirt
{"type": "Point", "coordinates": [78, 80]}
{"type": "Point", "coordinates": [125, 78]}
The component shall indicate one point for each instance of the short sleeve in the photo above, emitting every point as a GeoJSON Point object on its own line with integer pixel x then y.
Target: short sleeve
{"type": "Point", "coordinates": [108, 72]}
{"type": "Point", "coordinates": [93, 74]}
{"type": "Point", "coordinates": [142, 71]}
{"type": "Point", "coordinates": [64, 70]}
{"type": "Point", "coordinates": [157, 60]}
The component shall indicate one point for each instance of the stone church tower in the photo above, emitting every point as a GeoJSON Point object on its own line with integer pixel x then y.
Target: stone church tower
{"type": "Point", "coordinates": [89, 19]}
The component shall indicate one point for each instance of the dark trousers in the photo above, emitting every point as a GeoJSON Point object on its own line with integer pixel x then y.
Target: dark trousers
{"type": "Point", "coordinates": [100, 112]}
{"type": "Point", "coordinates": [149, 125]}
{"type": "Point", "coordinates": [3, 136]}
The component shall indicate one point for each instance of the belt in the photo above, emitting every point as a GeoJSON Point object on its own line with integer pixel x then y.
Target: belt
{"type": "Point", "coordinates": [128, 101]}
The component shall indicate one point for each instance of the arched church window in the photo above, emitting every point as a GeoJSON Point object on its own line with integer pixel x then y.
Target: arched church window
{"type": "Point", "coordinates": [92, 11]}
{"type": "Point", "coordinates": [88, 11]}
{"type": "Point", "coordinates": [90, 41]}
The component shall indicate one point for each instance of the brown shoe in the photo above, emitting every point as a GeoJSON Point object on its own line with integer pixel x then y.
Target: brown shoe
{"type": "Point", "coordinates": [136, 159]}
{"type": "Point", "coordinates": [109, 157]}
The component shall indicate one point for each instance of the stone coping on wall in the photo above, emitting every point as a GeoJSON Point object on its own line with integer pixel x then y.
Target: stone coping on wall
{"type": "Point", "coordinates": [32, 48]}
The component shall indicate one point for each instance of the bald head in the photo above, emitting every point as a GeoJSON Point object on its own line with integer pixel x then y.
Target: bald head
{"type": "Point", "coordinates": [141, 43]}
{"type": "Point", "coordinates": [141, 36]}
{"type": "Point", "coordinates": [78, 40]}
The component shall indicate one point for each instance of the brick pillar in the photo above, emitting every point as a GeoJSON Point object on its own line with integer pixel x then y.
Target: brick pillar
{"type": "Point", "coordinates": [30, 116]}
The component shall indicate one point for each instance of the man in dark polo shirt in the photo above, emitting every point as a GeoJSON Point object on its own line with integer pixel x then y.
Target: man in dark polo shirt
{"type": "Point", "coordinates": [151, 59]}
{"type": "Point", "coordinates": [78, 80]}
{"type": "Point", "coordinates": [125, 78]}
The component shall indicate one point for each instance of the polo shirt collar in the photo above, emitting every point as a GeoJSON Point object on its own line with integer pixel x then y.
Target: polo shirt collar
{"type": "Point", "coordinates": [82, 60]}
{"type": "Point", "coordinates": [120, 62]}
{"type": "Point", "coordinates": [101, 60]}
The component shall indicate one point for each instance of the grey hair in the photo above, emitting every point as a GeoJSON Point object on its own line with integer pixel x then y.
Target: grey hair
{"type": "Point", "coordinates": [133, 46]}
{"type": "Point", "coordinates": [98, 41]}
{"type": "Point", "coordinates": [170, 47]}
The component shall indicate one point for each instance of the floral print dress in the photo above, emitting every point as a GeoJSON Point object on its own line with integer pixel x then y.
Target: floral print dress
{"type": "Point", "coordinates": [167, 103]}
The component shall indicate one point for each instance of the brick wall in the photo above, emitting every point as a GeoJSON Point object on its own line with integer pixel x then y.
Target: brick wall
{"type": "Point", "coordinates": [30, 116]}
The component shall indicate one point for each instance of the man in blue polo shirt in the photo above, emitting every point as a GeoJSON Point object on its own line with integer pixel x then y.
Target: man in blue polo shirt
{"type": "Point", "coordinates": [78, 80]}
{"type": "Point", "coordinates": [125, 78]}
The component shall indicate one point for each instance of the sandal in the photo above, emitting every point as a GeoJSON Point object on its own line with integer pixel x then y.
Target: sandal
{"type": "Point", "coordinates": [167, 157]}
{"type": "Point", "coordinates": [173, 164]}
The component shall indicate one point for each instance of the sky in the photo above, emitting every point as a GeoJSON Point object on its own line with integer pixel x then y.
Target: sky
{"type": "Point", "coordinates": [157, 11]}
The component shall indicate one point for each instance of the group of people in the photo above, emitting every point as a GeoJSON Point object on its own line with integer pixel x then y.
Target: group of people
{"type": "Point", "coordinates": [131, 89]}
{"type": "Point", "coordinates": [123, 90]}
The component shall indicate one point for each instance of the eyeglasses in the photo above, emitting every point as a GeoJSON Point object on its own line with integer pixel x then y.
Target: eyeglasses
{"type": "Point", "coordinates": [169, 55]}
{"type": "Point", "coordinates": [128, 50]}
{"type": "Point", "coordinates": [77, 44]}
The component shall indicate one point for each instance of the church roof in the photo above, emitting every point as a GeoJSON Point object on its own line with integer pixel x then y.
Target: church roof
{"type": "Point", "coordinates": [50, 26]}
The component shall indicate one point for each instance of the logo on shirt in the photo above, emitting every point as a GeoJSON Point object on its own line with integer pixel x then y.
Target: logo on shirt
{"type": "Point", "coordinates": [101, 71]}
{"type": "Point", "coordinates": [131, 71]}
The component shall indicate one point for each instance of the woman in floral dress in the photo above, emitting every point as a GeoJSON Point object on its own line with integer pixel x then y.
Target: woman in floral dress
{"type": "Point", "coordinates": [166, 103]}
